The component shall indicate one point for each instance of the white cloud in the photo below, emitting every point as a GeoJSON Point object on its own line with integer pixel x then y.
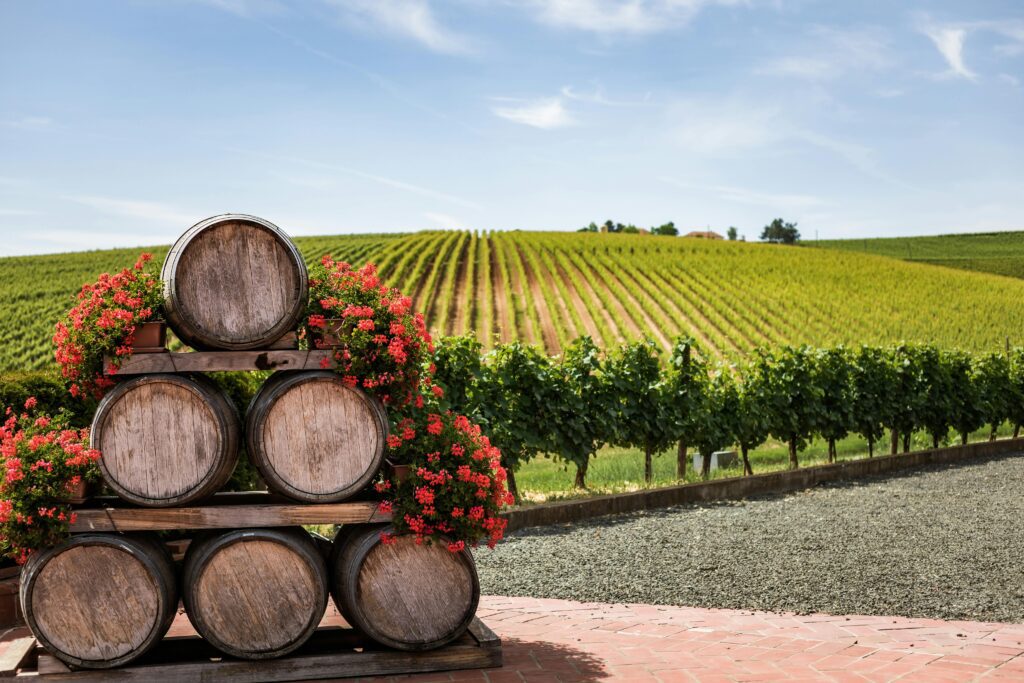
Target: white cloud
{"type": "Point", "coordinates": [444, 221]}
{"type": "Point", "coordinates": [145, 211]}
{"type": "Point", "coordinates": [949, 41]}
{"type": "Point", "coordinates": [613, 16]}
{"type": "Point", "coordinates": [545, 113]}
{"type": "Point", "coordinates": [28, 123]}
{"type": "Point", "coordinates": [741, 195]}
{"type": "Point", "coordinates": [833, 52]}
{"type": "Point", "coordinates": [716, 126]}
{"type": "Point", "coordinates": [406, 18]}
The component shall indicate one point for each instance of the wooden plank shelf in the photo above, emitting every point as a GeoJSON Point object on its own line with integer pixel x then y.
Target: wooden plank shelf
{"type": "Point", "coordinates": [332, 652]}
{"type": "Point", "coordinates": [219, 361]}
{"type": "Point", "coordinates": [222, 511]}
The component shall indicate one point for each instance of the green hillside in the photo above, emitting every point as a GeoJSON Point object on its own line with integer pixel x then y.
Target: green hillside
{"type": "Point", "coordinates": [1001, 253]}
{"type": "Point", "coordinates": [547, 288]}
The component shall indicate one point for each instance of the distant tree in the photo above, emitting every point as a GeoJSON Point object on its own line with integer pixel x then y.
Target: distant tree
{"type": "Point", "coordinates": [589, 228]}
{"type": "Point", "coordinates": [733, 233]}
{"type": "Point", "coordinates": [780, 232]}
{"type": "Point", "coordinates": [611, 226]}
{"type": "Point", "coordinates": [669, 229]}
{"type": "Point", "coordinates": [630, 229]}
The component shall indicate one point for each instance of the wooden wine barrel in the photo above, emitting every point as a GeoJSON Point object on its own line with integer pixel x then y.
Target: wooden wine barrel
{"type": "Point", "coordinates": [166, 439]}
{"type": "Point", "coordinates": [255, 593]}
{"type": "Point", "coordinates": [314, 439]}
{"type": "Point", "coordinates": [403, 595]}
{"type": "Point", "coordinates": [99, 601]}
{"type": "Point", "coordinates": [233, 282]}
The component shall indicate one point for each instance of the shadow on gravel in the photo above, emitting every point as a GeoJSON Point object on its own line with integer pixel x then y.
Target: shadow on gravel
{"type": "Point", "coordinates": [567, 663]}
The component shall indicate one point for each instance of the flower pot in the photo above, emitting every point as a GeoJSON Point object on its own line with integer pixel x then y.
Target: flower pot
{"type": "Point", "coordinates": [150, 337]}
{"type": "Point", "coordinates": [396, 471]}
{"type": "Point", "coordinates": [79, 493]}
{"type": "Point", "coordinates": [328, 336]}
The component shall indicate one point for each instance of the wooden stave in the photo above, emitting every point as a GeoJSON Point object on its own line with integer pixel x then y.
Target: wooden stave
{"type": "Point", "coordinates": [202, 548]}
{"type": "Point", "coordinates": [144, 546]}
{"type": "Point", "coordinates": [351, 545]}
{"type": "Point", "coordinates": [188, 330]}
{"type": "Point", "coordinates": [255, 418]}
{"type": "Point", "coordinates": [230, 432]}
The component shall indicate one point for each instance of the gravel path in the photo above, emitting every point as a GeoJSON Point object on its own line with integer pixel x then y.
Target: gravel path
{"type": "Point", "coordinates": [944, 542]}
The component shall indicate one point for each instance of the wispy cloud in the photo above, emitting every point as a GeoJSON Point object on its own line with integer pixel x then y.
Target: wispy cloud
{"type": "Point", "coordinates": [547, 113]}
{"type": "Point", "coordinates": [27, 123]}
{"type": "Point", "coordinates": [413, 19]}
{"type": "Point", "coordinates": [144, 211]}
{"type": "Point", "coordinates": [381, 180]}
{"type": "Point", "coordinates": [742, 195]}
{"type": "Point", "coordinates": [723, 126]}
{"type": "Point", "coordinates": [598, 96]}
{"type": "Point", "coordinates": [444, 221]}
{"type": "Point", "coordinates": [833, 52]}
{"type": "Point", "coordinates": [949, 41]}
{"type": "Point", "coordinates": [608, 17]}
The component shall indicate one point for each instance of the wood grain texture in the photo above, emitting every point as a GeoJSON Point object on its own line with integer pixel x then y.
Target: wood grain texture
{"type": "Point", "coordinates": [255, 593]}
{"type": "Point", "coordinates": [233, 282]}
{"type": "Point", "coordinates": [166, 440]}
{"type": "Point", "coordinates": [18, 645]}
{"type": "Point", "coordinates": [314, 439]}
{"type": "Point", "coordinates": [218, 361]}
{"type": "Point", "coordinates": [99, 601]}
{"type": "Point", "coordinates": [403, 595]}
{"type": "Point", "coordinates": [331, 654]}
{"type": "Point", "coordinates": [225, 516]}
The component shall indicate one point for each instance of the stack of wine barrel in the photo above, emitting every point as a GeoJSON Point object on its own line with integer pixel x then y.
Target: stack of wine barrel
{"type": "Point", "coordinates": [236, 284]}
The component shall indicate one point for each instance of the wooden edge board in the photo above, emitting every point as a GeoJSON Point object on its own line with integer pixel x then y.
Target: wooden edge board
{"type": "Point", "coordinates": [192, 659]}
{"type": "Point", "coordinates": [217, 361]}
{"type": "Point", "coordinates": [18, 644]}
{"type": "Point", "coordinates": [483, 635]}
{"type": "Point", "coordinates": [225, 517]}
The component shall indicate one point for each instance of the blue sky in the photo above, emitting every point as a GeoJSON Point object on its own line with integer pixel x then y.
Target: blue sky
{"type": "Point", "coordinates": [122, 123]}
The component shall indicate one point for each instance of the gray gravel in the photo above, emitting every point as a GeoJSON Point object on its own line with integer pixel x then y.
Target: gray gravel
{"type": "Point", "coordinates": [944, 542]}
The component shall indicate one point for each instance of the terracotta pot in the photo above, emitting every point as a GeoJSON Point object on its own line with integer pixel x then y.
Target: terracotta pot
{"type": "Point", "coordinates": [78, 494]}
{"type": "Point", "coordinates": [397, 471]}
{"type": "Point", "coordinates": [150, 337]}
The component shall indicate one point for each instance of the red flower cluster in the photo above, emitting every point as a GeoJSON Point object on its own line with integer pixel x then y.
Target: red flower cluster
{"type": "Point", "coordinates": [44, 461]}
{"type": "Point", "coordinates": [378, 342]}
{"type": "Point", "coordinates": [456, 487]}
{"type": "Point", "coordinates": [103, 323]}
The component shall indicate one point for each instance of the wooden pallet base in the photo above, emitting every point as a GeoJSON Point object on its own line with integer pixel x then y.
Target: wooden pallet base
{"type": "Point", "coordinates": [332, 652]}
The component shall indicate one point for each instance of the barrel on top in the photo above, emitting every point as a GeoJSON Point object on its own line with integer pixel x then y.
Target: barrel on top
{"type": "Point", "coordinates": [99, 601]}
{"type": "Point", "coordinates": [313, 438]}
{"type": "Point", "coordinates": [402, 595]}
{"type": "Point", "coordinates": [166, 439]}
{"type": "Point", "coordinates": [255, 593]}
{"type": "Point", "coordinates": [233, 282]}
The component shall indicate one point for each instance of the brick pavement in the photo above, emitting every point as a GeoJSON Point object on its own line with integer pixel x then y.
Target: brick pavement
{"type": "Point", "coordinates": [557, 640]}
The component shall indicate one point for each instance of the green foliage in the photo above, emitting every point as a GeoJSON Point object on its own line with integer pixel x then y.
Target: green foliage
{"type": "Point", "coordinates": [641, 400]}
{"type": "Point", "coordinates": [873, 385]}
{"type": "Point", "coordinates": [832, 373]}
{"type": "Point", "coordinates": [1016, 402]}
{"type": "Point", "coordinates": [241, 388]}
{"type": "Point", "coordinates": [51, 392]}
{"type": "Point", "coordinates": [715, 422]}
{"type": "Point", "coordinates": [754, 419]}
{"type": "Point", "coordinates": [780, 232]}
{"type": "Point", "coordinates": [939, 401]}
{"type": "Point", "coordinates": [993, 381]}
{"type": "Point", "coordinates": [796, 409]}
{"type": "Point", "coordinates": [732, 233]}
{"type": "Point", "coordinates": [968, 413]}
{"type": "Point", "coordinates": [458, 366]}
{"type": "Point", "coordinates": [667, 229]}
{"type": "Point", "coordinates": [908, 397]}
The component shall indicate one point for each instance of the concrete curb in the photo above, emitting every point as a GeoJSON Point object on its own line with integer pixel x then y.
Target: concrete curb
{"type": "Point", "coordinates": [737, 488]}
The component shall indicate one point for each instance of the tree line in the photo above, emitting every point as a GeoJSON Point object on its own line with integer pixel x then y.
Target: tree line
{"type": "Point", "coordinates": [569, 407]}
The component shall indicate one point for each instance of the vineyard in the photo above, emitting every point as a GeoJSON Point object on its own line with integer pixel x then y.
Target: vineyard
{"type": "Point", "coordinates": [1000, 253]}
{"type": "Point", "coordinates": [548, 288]}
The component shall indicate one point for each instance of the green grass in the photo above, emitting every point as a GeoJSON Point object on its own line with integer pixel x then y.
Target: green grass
{"type": "Point", "coordinates": [1000, 253]}
{"type": "Point", "coordinates": [731, 296]}
{"type": "Point", "coordinates": [620, 470]}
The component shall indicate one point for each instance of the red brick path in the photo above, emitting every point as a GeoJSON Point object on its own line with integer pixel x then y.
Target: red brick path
{"type": "Point", "coordinates": [557, 640]}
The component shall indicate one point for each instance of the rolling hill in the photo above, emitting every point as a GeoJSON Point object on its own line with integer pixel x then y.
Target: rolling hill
{"type": "Point", "coordinates": [1000, 253]}
{"type": "Point", "coordinates": [548, 287]}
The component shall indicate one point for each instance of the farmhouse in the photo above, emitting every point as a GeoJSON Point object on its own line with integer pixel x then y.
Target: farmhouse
{"type": "Point", "coordinates": [705, 235]}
